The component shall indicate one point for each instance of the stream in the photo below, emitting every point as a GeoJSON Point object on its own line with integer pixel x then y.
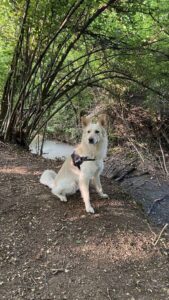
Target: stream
{"type": "Point", "coordinates": [51, 149]}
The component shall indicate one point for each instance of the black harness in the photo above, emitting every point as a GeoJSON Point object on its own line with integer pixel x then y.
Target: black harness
{"type": "Point", "coordinates": [78, 160]}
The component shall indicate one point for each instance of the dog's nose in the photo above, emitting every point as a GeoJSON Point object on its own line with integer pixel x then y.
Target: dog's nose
{"type": "Point", "coordinates": [91, 141]}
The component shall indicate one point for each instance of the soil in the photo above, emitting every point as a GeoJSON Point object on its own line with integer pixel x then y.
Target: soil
{"type": "Point", "coordinates": [53, 250]}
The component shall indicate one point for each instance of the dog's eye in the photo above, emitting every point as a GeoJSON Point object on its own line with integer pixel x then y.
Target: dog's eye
{"type": "Point", "coordinates": [97, 131]}
{"type": "Point", "coordinates": [88, 131]}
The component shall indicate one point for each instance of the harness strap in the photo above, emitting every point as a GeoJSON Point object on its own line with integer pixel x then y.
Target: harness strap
{"type": "Point", "coordinates": [78, 160]}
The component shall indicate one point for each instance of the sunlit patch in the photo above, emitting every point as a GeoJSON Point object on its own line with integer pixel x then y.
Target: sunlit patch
{"type": "Point", "coordinates": [117, 249]}
{"type": "Point", "coordinates": [15, 170]}
{"type": "Point", "coordinates": [76, 218]}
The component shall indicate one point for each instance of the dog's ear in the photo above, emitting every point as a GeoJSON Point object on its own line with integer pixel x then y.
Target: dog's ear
{"type": "Point", "coordinates": [102, 120]}
{"type": "Point", "coordinates": [85, 121]}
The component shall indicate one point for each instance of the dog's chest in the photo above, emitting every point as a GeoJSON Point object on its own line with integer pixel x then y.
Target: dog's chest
{"type": "Point", "coordinates": [90, 168]}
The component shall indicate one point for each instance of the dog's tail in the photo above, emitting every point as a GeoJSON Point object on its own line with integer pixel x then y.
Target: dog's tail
{"type": "Point", "coordinates": [48, 177]}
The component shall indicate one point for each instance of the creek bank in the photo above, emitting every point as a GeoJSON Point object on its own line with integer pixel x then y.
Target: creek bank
{"type": "Point", "coordinates": [149, 191]}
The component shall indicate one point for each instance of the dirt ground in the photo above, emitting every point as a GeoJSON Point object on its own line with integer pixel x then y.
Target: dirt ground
{"type": "Point", "coordinates": [53, 250]}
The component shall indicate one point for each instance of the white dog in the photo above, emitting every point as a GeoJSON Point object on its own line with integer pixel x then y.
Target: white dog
{"type": "Point", "coordinates": [84, 165]}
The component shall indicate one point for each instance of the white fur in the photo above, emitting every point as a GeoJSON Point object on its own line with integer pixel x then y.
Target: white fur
{"type": "Point", "coordinates": [48, 177]}
{"type": "Point", "coordinates": [70, 178]}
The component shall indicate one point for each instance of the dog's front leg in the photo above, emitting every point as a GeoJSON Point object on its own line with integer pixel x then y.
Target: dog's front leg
{"type": "Point", "coordinates": [98, 186]}
{"type": "Point", "coordinates": [84, 189]}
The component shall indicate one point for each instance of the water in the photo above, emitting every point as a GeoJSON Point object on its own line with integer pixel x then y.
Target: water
{"type": "Point", "coordinates": [51, 149]}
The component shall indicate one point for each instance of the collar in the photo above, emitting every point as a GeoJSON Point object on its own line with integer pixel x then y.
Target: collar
{"type": "Point", "coordinates": [78, 160]}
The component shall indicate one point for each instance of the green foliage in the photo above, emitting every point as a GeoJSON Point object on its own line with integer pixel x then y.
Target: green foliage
{"type": "Point", "coordinates": [8, 36]}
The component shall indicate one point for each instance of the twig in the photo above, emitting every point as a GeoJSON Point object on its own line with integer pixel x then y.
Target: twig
{"type": "Point", "coordinates": [57, 271]}
{"type": "Point", "coordinates": [135, 147]}
{"type": "Point", "coordinates": [160, 234]}
{"type": "Point", "coordinates": [108, 294]}
{"type": "Point", "coordinates": [163, 156]}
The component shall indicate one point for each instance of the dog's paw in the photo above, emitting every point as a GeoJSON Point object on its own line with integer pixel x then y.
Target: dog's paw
{"type": "Point", "coordinates": [63, 198]}
{"type": "Point", "coordinates": [90, 210]}
{"type": "Point", "coordinates": [104, 196]}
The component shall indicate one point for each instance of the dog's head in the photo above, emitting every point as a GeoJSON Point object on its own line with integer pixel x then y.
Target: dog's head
{"type": "Point", "coordinates": [93, 133]}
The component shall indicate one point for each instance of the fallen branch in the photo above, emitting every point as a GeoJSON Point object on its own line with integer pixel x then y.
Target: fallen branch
{"type": "Point", "coordinates": [140, 174]}
{"type": "Point", "coordinates": [120, 178]}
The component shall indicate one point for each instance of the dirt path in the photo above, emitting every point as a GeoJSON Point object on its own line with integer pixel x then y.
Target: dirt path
{"type": "Point", "coordinates": [52, 250]}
